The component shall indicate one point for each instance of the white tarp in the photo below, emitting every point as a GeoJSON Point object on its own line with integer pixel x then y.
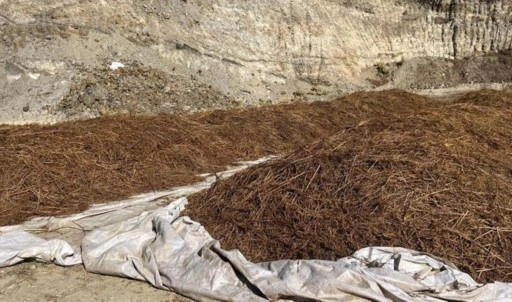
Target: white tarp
{"type": "Point", "coordinates": [179, 254]}
{"type": "Point", "coordinates": [176, 253]}
{"type": "Point", "coordinates": [19, 246]}
{"type": "Point", "coordinates": [141, 239]}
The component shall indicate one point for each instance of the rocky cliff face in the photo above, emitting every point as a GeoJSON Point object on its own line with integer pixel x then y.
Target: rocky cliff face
{"type": "Point", "coordinates": [251, 49]}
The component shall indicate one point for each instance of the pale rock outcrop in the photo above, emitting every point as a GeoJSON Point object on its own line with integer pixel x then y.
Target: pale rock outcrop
{"type": "Point", "coordinates": [262, 49]}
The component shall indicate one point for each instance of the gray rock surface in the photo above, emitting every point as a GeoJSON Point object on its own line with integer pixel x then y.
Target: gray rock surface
{"type": "Point", "coordinates": [252, 51]}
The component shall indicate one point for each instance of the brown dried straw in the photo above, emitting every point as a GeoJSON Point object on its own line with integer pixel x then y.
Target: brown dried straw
{"type": "Point", "coordinates": [64, 168]}
{"type": "Point", "coordinates": [400, 170]}
{"type": "Point", "coordinates": [437, 180]}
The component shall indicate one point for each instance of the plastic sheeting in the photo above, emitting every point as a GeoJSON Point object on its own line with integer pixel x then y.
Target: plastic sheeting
{"type": "Point", "coordinates": [176, 253]}
{"type": "Point", "coordinates": [142, 239]}
{"type": "Point", "coordinates": [16, 247]}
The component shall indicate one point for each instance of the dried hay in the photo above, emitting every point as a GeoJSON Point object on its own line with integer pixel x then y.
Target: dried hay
{"type": "Point", "coordinates": [64, 168]}
{"type": "Point", "coordinates": [400, 170]}
{"type": "Point", "coordinates": [437, 180]}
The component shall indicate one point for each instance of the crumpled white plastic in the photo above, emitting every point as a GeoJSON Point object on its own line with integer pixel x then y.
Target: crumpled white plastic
{"type": "Point", "coordinates": [178, 254]}
{"type": "Point", "coordinates": [21, 246]}
{"type": "Point", "coordinates": [140, 239]}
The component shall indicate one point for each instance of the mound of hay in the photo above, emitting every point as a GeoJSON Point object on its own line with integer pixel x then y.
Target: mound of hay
{"type": "Point", "coordinates": [64, 168]}
{"type": "Point", "coordinates": [437, 180]}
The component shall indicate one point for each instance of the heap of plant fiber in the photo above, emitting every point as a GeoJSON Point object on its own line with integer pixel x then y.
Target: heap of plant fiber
{"type": "Point", "coordinates": [437, 180]}
{"type": "Point", "coordinates": [64, 168]}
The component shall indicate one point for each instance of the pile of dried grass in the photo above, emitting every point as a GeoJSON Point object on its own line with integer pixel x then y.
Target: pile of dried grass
{"type": "Point", "coordinates": [64, 168]}
{"type": "Point", "coordinates": [437, 180]}
{"type": "Point", "coordinates": [400, 170]}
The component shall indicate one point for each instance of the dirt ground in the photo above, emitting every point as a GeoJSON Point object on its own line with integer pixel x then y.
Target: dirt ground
{"type": "Point", "coordinates": [442, 73]}
{"type": "Point", "coordinates": [36, 282]}
{"type": "Point", "coordinates": [136, 89]}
